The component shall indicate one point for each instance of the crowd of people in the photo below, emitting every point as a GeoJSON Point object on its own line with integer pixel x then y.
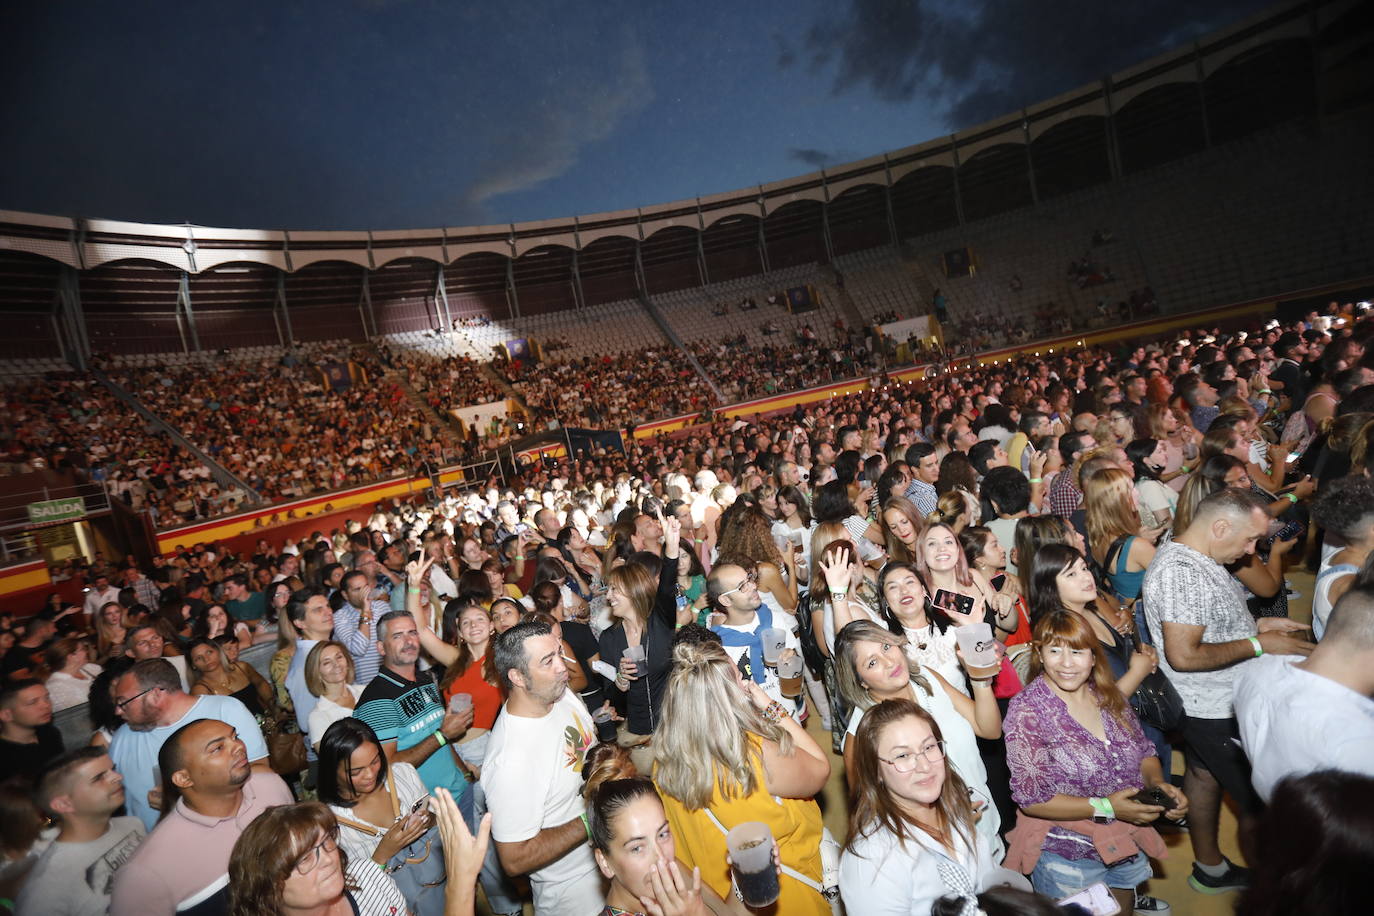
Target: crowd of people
{"type": "Point", "coordinates": [1003, 598]}
{"type": "Point", "coordinates": [71, 421]}
{"type": "Point", "coordinates": [283, 429]}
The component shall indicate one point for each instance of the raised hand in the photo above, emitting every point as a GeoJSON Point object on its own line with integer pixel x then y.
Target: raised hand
{"type": "Point", "coordinates": [417, 570]}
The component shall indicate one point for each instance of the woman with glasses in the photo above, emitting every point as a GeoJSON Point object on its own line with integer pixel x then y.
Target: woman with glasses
{"type": "Point", "coordinates": [289, 861]}
{"type": "Point", "coordinates": [912, 829]}
{"type": "Point", "coordinates": [381, 826]}
{"type": "Point", "coordinates": [871, 666]}
{"type": "Point", "coordinates": [1078, 760]}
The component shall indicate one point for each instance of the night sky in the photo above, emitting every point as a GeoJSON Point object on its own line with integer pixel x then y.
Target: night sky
{"type": "Point", "coordinates": [389, 114]}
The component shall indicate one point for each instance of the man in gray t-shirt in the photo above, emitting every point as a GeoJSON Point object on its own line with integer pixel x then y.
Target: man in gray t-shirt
{"type": "Point", "coordinates": [73, 876]}
{"type": "Point", "coordinates": [1197, 613]}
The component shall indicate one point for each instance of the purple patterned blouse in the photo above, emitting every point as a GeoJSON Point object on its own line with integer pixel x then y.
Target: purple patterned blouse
{"type": "Point", "coordinates": [1050, 754]}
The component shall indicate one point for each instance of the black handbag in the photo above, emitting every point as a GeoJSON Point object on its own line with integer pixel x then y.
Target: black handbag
{"type": "Point", "coordinates": [1156, 702]}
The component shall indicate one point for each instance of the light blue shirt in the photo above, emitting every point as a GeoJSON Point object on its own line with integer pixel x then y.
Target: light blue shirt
{"type": "Point", "coordinates": [135, 753]}
{"type": "Point", "coordinates": [301, 697]}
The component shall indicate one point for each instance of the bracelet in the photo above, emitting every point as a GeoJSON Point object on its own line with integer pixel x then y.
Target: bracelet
{"type": "Point", "coordinates": [439, 736]}
{"type": "Point", "coordinates": [1103, 807]}
{"type": "Point", "coordinates": [774, 712]}
{"type": "Point", "coordinates": [1037, 480]}
{"type": "Point", "coordinates": [1185, 469]}
{"type": "Point", "coordinates": [1291, 497]}
{"type": "Point", "coordinates": [413, 590]}
{"type": "Point", "coordinates": [586, 825]}
{"type": "Point", "coordinates": [1259, 649]}
{"type": "Point", "coordinates": [1265, 391]}
{"type": "Point", "coordinates": [834, 594]}
{"type": "Point", "coordinates": [982, 681]}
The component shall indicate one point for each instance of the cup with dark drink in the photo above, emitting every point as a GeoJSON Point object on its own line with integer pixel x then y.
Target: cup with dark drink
{"type": "Point", "coordinates": [751, 860]}
{"type": "Point", "coordinates": [637, 655]}
{"type": "Point", "coordinates": [605, 723]}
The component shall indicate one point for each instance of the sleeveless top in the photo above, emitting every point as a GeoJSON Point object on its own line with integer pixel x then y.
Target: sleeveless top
{"type": "Point", "coordinates": [796, 826]}
{"type": "Point", "coordinates": [1127, 585]}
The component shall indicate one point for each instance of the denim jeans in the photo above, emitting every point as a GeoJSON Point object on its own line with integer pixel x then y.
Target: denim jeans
{"type": "Point", "coordinates": [1057, 877]}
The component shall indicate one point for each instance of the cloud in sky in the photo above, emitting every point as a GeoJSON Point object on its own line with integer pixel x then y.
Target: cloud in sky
{"type": "Point", "coordinates": [815, 158]}
{"type": "Point", "coordinates": [979, 60]}
{"type": "Point", "coordinates": [547, 138]}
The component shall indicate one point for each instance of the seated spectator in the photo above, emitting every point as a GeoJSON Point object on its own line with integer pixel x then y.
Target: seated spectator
{"type": "Point", "coordinates": [69, 660]}
{"type": "Point", "coordinates": [81, 791]}
{"type": "Point", "coordinates": [28, 739]}
{"type": "Point", "coordinates": [150, 700]}
{"type": "Point", "coordinates": [144, 641]}
{"type": "Point", "coordinates": [329, 676]}
{"type": "Point", "coordinates": [1298, 715]}
{"type": "Point", "coordinates": [912, 837]}
{"type": "Point", "coordinates": [379, 826]}
{"type": "Point", "coordinates": [212, 793]}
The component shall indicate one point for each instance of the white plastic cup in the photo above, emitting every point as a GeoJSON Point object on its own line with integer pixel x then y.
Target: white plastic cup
{"type": "Point", "coordinates": [979, 648]}
{"type": "Point", "coordinates": [790, 676]}
{"type": "Point", "coordinates": [751, 859]}
{"type": "Point", "coordinates": [637, 655]}
{"type": "Point", "coordinates": [460, 702]}
{"type": "Point", "coordinates": [774, 640]}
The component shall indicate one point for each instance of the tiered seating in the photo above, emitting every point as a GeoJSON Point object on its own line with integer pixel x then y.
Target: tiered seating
{"type": "Point", "coordinates": [279, 429]}
{"type": "Point", "coordinates": [69, 419]}
{"type": "Point", "coordinates": [693, 312]}
{"type": "Point", "coordinates": [615, 327]}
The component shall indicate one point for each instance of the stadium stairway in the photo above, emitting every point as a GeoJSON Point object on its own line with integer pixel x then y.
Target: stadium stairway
{"type": "Point", "coordinates": [222, 475]}
{"type": "Point", "coordinates": [667, 328]}
{"type": "Point", "coordinates": [446, 429]}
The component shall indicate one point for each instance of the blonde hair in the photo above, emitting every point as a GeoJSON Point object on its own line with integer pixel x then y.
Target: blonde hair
{"type": "Point", "coordinates": [710, 735]}
{"type": "Point", "coordinates": [1107, 501]}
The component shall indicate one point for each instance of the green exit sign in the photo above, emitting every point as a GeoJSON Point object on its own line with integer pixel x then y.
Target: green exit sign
{"type": "Point", "coordinates": [57, 510]}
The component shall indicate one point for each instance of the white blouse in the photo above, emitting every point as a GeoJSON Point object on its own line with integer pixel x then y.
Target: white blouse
{"type": "Point", "coordinates": [327, 712]}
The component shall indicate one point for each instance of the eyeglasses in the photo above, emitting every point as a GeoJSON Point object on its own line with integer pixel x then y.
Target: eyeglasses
{"type": "Point", "coordinates": [121, 704]}
{"type": "Point", "coordinates": [306, 864]}
{"type": "Point", "coordinates": [750, 579]}
{"type": "Point", "coordinates": [905, 762]}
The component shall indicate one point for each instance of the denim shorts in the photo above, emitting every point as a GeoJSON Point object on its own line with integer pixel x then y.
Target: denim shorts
{"type": "Point", "coordinates": [1058, 877]}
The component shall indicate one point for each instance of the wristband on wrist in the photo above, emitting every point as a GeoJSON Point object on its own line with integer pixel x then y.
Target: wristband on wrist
{"type": "Point", "coordinates": [774, 712]}
{"type": "Point", "coordinates": [1291, 497]}
{"type": "Point", "coordinates": [439, 736]}
{"type": "Point", "coordinates": [838, 594]}
{"type": "Point", "coordinates": [1103, 808]}
{"type": "Point", "coordinates": [1185, 469]}
{"type": "Point", "coordinates": [1037, 480]}
{"type": "Point", "coordinates": [586, 826]}
{"type": "Point", "coordinates": [982, 681]}
{"type": "Point", "coordinates": [1259, 649]}
{"type": "Point", "coordinates": [413, 590]}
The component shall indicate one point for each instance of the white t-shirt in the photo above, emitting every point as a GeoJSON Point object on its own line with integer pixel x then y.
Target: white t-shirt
{"type": "Point", "coordinates": [1293, 722]}
{"type": "Point", "coordinates": [75, 879]}
{"type": "Point", "coordinates": [739, 654]}
{"type": "Point", "coordinates": [532, 777]}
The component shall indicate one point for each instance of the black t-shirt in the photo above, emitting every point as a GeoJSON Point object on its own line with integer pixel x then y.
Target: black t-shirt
{"type": "Point", "coordinates": [584, 645]}
{"type": "Point", "coordinates": [29, 760]}
{"type": "Point", "coordinates": [20, 657]}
